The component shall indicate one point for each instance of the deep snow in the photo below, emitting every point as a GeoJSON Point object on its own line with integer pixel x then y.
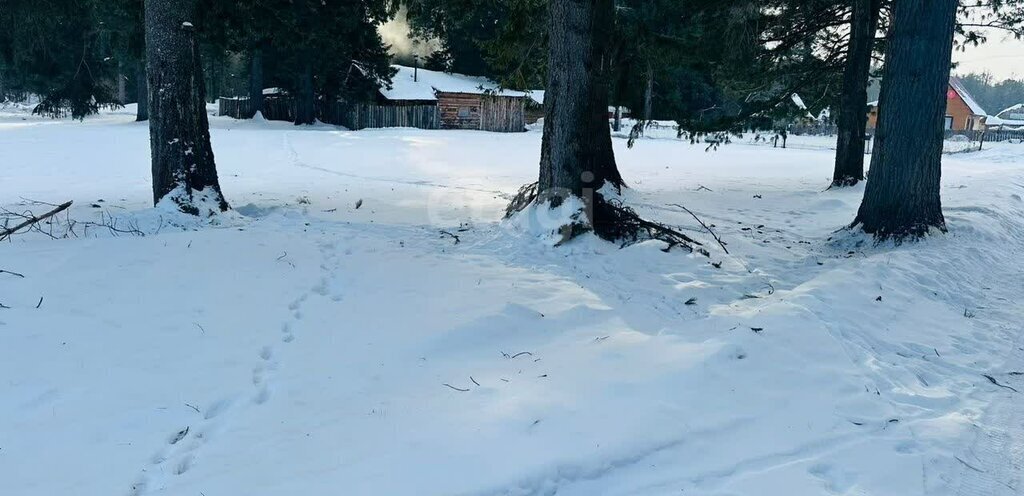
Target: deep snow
{"type": "Point", "coordinates": [304, 345]}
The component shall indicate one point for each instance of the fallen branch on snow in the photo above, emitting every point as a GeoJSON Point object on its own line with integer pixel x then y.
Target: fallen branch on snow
{"type": "Point", "coordinates": [32, 220]}
{"type": "Point", "coordinates": [994, 381]}
{"type": "Point", "coordinates": [456, 238]}
{"type": "Point", "coordinates": [705, 226]}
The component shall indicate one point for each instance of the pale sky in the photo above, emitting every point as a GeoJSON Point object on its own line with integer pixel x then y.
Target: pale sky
{"type": "Point", "coordinates": [1003, 56]}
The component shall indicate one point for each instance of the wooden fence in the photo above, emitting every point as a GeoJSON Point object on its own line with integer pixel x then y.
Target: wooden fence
{"type": "Point", "coordinates": [357, 116]}
{"type": "Point", "coordinates": [274, 108]}
{"type": "Point", "coordinates": [990, 135]}
{"type": "Point", "coordinates": [351, 115]}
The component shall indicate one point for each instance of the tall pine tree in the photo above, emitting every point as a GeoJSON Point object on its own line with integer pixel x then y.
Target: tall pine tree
{"type": "Point", "coordinates": [852, 119]}
{"type": "Point", "coordinates": [901, 199]}
{"type": "Point", "coordinates": [179, 132]}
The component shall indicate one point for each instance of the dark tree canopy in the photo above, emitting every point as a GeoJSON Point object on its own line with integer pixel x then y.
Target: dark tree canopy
{"type": "Point", "coordinates": [60, 51]}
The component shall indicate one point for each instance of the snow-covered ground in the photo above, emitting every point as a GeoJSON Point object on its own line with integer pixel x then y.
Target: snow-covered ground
{"type": "Point", "coordinates": [327, 338]}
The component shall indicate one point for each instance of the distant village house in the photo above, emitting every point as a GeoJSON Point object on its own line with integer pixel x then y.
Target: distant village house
{"type": "Point", "coordinates": [1010, 119]}
{"type": "Point", "coordinates": [963, 112]}
{"type": "Point", "coordinates": [463, 102]}
{"type": "Point", "coordinates": [417, 98]}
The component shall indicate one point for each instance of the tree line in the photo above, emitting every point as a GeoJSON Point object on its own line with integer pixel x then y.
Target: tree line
{"type": "Point", "coordinates": [713, 66]}
{"type": "Point", "coordinates": [994, 95]}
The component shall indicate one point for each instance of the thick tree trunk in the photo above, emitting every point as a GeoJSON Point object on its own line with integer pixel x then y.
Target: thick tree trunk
{"type": "Point", "coordinates": [122, 90]}
{"type": "Point", "coordinates": [215, 65]}
{"type": "Point", "coordinates": [902, 195]}
{"type": "Point", "coordinates": [852, 119]}
{"type": "Point", "coordinates": [141, 92]}
{"type": "Point", "coordinates": [256, 80]}
{"type": "Point", "coordinates": [305, 101]}
{"type": "Point", "coordinates": [179, 132]}
{"type": "Point", "coordinates": [576, 149]}
{"type": "Point", "coordinates": [648, 93]}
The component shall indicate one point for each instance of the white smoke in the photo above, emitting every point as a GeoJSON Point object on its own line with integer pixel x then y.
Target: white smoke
{"type": "Point", "coordinates": [403, 45]}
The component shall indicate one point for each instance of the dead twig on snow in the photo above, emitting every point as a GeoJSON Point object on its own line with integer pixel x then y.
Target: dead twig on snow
{"type": "Point", "coordinates": [33, 220]}
{"type": "Point", "coordinates": [994, 381]}
{"type": "Point", "coordinates": [2, 271]}
{"type": "Point", "coordinates": [705, 226]}
{"type": "Point", "coordinates": [456, 238]}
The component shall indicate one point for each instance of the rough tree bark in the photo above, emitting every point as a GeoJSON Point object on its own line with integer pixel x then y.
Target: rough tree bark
{"type": "Point", "coordinates": [576, 149]}
{"type": "Point", "coordinates": [213, 77]}
{"type": "Point", "coordinates": [852, 118]}
{"type": "Point", "coordinates": [141, 92]}
{"type": "Point", "coordinates": [179, 132]}
{"type": "Point", "coordinates": [122, 90]}
{"type": "Point", "coordinates": [901, 199]}
{"type": "Point", "coordinates": [256, 79]}
{"type": "Point", "coordinates": [305, 101]}
{"type": "Point", "coordinates": [648, 92]}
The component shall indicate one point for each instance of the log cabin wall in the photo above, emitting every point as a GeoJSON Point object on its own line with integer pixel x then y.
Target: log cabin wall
{"type": "Point", "coordinates": [459, 110]}
{"type": "Point", "coordinates": [503, 114]}
{"type": "Point", "coordinates": [484, 112]}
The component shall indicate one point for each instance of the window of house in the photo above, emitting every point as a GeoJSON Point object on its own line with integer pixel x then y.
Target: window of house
{"type": "Point", "coordinates": [969, 125]}
{"type": "Point", "coordinates": [949, 123]}
{"type": "Point", "coordinates": [464, 111]}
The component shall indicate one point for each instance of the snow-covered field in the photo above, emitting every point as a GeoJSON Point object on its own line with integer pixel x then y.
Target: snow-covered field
{"type": "Point", "coordinates": [304, 345]}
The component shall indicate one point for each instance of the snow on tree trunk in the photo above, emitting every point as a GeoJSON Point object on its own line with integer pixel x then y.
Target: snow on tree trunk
{"type": "Point", "coordinates": [852, 118]}
{"type": "Point", "coordinates": [576, 149]}
{"type": "Point", "coordinates": [256, 80]}
{"type": "Point", "coordinates": [179, 131]}
{"type": "Point", "coordinates": [141, 93]}
{"type": "Point", "coordinates": [902, 195]}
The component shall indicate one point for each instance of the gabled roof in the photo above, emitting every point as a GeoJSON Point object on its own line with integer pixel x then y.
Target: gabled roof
{"type": "Point", "coordinates": [423, 84]}
{"type": "Point", "coordinates": [1011, 112]}
{"type": "Point", "coordinates": [961, 90]}
{"type": "Point", "coordinates": [958, 86]}
{"type": "Point", "coordinates": [996, 121]}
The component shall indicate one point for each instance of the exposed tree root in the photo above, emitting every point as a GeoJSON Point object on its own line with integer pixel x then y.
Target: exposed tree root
{"type": "Point", "coordinates": [612, 221]}
{"type": "Point", "coordinates": [526, 195]}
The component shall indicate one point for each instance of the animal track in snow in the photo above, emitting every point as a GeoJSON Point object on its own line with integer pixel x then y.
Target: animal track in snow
{"type": "Point", "coordinates": [216, 408]}
{"type": "Point", "coordinates": [262, 395]}
{"type": "Point", "coordinates": [184, 464]}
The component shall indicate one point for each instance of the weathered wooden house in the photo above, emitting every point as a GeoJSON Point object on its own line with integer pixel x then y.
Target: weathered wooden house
{"type": "Point", "coordinates": [463, 102]}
